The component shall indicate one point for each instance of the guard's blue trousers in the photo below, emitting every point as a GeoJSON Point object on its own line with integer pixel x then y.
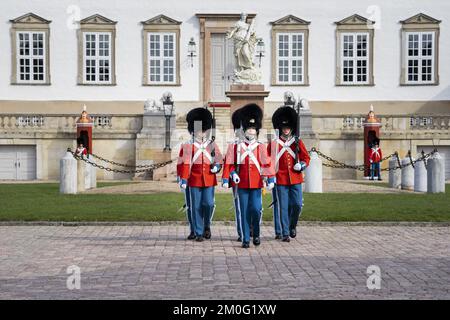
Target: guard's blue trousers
{"type": "Point", "coordinates": [276, 213]}
{"type": "Point", "coordinates": [202, 208]}
{"type": "Point", "coordinates": [250, 205]}
{"type": "Point", "coordinates": [187, 201]}
{"type": "Point", "coordinates": [289, 202]}
{"type": "Point", "coordinates": [375, 170]}
{"type": "Point", "coordinates": [237, 213]}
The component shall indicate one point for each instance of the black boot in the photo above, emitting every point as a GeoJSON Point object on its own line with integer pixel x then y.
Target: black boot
{"type": "Point", "coordinates": [239, 239]}
{"type": "Point", "coordinates": [199, 239]}
{"type": "Point", "coordinates": [286, 239]}
{"type": "Point", "coordinates": [256, 241]}
{"type": "Point", "coordinates": [293, 233]}
{"type": "Point", "coordinates": [207, 233]}
{"type": "Point", "coordinates": [191, 236]}
{"type": "Point", "coordinates": [278, 237]}
{"type": "Point", "coordinates": [245, 245]}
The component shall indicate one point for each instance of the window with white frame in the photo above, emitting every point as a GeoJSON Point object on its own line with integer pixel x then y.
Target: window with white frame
{"type": "Point", "coordinates": [290, 58]}
{"type": "Point", "coordinates": [161, 57]}
{"type": "Point", "coordinates": [97, 57]}
{"type": "Point", "coordinates": [31, 57]}
{"type": "Point", "coordinates": [355, 58]}
{"type": "Point", "coordinates": [419, 57]}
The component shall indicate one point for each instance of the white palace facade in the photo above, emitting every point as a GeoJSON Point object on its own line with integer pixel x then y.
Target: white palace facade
{"type": "Point", "coordinates": [113, 56]}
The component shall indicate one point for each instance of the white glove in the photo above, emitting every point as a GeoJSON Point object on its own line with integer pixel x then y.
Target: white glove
{"type": "Point", "coordinates": [215, 169]}
{"type": "Point", "coordinates": [225, 185]}
{"type": "Point", "coordinates": [236, 178]}
{"type": "Point", "coordinates": [370, 161]}
{"type": "Point", "coordinates": [183, 184]}
{"type": "Point", "coordinates": [298, 166]}
{"type": "Point", "coordinates": [270, 186]}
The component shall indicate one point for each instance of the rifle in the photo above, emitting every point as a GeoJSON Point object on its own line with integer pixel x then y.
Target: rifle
{"type": "Point", "coordinates": [297, 133]}
{"type": "Point", "coordinates": [213, 138]}
{"type": "Point", "coordinates": [236, 163]}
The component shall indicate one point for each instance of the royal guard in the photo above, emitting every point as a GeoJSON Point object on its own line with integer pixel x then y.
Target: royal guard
{"type": "Point", "coordinates": [81, 150]}
{"type": "Point", "coordinates": [290, 158]}
{"type": "Point", "coordinates": [375, 156]}
{"type": "Point", "coordinates": [187, 201]}
{"type": "Point", "coordinates": [238, 135]}
{"type": "Point", "coordinates": [247, 165]}
{"type": "Point", "coordinates": [200, 160]}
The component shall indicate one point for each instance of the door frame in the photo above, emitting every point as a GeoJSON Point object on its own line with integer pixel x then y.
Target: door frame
{"type": "Point", "coordinates": [212, 23]}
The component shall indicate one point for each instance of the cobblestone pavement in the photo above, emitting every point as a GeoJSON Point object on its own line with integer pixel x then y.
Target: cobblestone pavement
{"type": "Point", "coordinates": [156, 262]}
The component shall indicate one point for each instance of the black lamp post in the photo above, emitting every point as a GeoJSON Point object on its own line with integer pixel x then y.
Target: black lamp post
{"type": "Point", "coordinates": [192, 50]}
{"type": "Point", "coordinates": [168, 111]}
{"type": "Point", "coordinates": [260, 50]}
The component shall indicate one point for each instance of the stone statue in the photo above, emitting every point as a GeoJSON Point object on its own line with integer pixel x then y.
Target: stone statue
{"type": "Point", "coordinates": [244, 37]}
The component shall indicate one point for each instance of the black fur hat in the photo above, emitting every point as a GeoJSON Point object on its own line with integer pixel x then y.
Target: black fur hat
{"type": "Point", "coordinates": [285, 117]}
{"type": "Point", "coordinates": [250, 116]}
{"type": "Point", "coordinates": [235, 120]}
{"type": "Point", "coordinates": [199, 114]}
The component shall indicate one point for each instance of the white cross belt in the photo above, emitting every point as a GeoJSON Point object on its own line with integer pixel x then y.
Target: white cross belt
{"type": "Point", "coordinates": [248, 151]}
{"type": "Point", "coordinates": [285, 146]}
{"type": "Point", "coordinates": [201, 149]}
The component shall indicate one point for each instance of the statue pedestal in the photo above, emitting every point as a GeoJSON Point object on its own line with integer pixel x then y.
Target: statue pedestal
{"type": "Point", "coordinates": [242, 94]}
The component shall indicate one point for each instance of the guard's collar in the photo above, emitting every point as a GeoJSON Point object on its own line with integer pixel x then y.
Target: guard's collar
{"type": "Point", "coordinates": [248, 141]}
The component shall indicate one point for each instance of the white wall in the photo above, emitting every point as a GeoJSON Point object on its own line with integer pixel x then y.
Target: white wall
{"type": "Point", "coordinates": [130, 13]}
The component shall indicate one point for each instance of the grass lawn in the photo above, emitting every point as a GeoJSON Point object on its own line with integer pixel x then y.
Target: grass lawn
{"type": "Point", "coordinates": [42, 201]}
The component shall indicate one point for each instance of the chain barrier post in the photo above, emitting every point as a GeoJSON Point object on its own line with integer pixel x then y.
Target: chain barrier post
{"type": "Point", "coordinates": [81, 176]}
{"type": "Point", "coordinates": [68, 174]}
{"type": "Point", "coordinates": [93, 182]}
{"type": "Point", "coordinates": [420, 175]}
{"type": "Point", "coordinates": [395, 176]}
{"type": "Point", "coordinates": [436, 173]}
{"type": "Point", "coordinates": [313, 173]}
{"type": "Point", "coordinates": [407, 173]}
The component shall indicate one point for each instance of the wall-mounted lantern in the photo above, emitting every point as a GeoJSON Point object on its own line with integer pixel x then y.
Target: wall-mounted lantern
{"type": "Point", "coordinates": [260, 50]}
{"type": "Point", "coordinates": [192, 51]}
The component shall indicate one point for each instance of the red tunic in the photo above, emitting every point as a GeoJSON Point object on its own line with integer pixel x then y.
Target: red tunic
{"type": "Point", "coordinates": [286, 175]}
{"type": "Point", "coordinates": [375, 154]}
{"type": "Point", "coordinates": [194, 163]}
{"type": "Point", "coordinates": [81, 151]}
{"type": "Point", "coordinates": [254, 164]}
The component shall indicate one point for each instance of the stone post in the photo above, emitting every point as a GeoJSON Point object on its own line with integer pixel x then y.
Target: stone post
{"type": "Point", "coordinates": [87, 176]}
{"type": "Point", "coordinates": [436, 174]}
{"type": "Point", "coordinates": [407, 175]}
{"type": "Point", "coordinates": [395, 176]}
{"type": "Point", "coordinates": [420, 177]}
{"type": "Point", "coordinates": [68, 174]}
{"type": "Point", "coordinates": [313, 174]}
{"type": "Point", "coordinates": [81, 180]}
{"type": "Point", "coordinates": [93, 175]}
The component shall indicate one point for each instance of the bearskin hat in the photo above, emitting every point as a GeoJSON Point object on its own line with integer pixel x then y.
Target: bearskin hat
{"type": "Point", "coordinates": [376, 141]}
{"type": "Point", "coordinates": [250, 116]}
{"type": "Point", "coordinates": [199, 114]}
{"type": "Point", "coordinates": [285, 117]}
{"type": "Point", "coordinates": [235, 120]}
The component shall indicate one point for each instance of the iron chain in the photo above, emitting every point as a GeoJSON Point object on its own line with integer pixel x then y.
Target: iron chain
{"type": "Point", "coordinates": [340, 165]}
{"type": "Point", "coordinates": [147, 168]}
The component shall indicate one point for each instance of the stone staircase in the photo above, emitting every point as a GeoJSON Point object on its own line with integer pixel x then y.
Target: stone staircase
{"type": "Point", "coordinates": [223, 119]}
